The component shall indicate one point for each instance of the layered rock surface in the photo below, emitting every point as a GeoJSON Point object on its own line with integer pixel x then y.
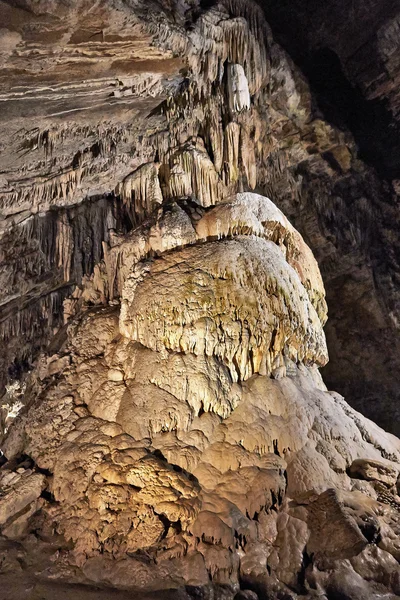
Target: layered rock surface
{"type": "Point", "coordinates": [176, 433]}
{"type": "Point", "coordinates": [108, 108]}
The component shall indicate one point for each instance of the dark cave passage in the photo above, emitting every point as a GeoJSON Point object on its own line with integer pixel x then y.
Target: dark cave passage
{"type": "Point", "coordinates": [344, 106]}
{"type": "Point", "coordinates": [338, 96]}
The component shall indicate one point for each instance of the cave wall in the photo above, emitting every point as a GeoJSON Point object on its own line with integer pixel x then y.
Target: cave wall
{"type": "Point", "coordinates": [87, 99]}
{"type": "Point", "coordinates": [175, 189]}
{"type": "Point", "coordinates": [349, 54]}
{"type": "Point", "coordinates": [42, 260]}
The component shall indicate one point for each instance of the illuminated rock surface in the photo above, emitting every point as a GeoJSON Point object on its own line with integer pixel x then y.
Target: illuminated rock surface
{"type": "Point", "coordinates": [174, 437]}
{"type": "Point", "coordinates": [185, 435]}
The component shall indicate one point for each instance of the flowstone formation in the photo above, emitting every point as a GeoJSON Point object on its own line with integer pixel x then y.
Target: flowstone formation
{"type": "Point", "coordinates": [182, 437]}
{"type": "Point", "coordinates": [164, 424]}
{"type": "Point", "coordinates": [110, 108]}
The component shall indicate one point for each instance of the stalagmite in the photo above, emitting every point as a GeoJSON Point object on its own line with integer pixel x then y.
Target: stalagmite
{"type": "Point", "coordinates": [208, 321]}
{"type": "Point", "coordinates": [164, 428]}
{"type": "Point", "coordinates": [252, 214]}
{"type": "Point", "coordinates": [195, 408]}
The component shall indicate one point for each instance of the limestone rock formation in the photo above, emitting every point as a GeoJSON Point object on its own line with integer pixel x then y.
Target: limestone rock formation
{"type": "Point", "coordinates": [164, 424]}
{"type": "Point", "coordinates": [184, 434]}
{"type": "Point", "coordinates": [202, 96]}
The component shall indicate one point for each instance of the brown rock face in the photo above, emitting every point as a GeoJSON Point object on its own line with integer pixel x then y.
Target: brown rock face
{"type": "Point", "coordinates": [185, 435]}
{"type": "Point", "coordinates": [164, 423]}
{"type": "Point", "coordinates": [106, 109]}
{"type": "Point", "coordinates": [349, 53]}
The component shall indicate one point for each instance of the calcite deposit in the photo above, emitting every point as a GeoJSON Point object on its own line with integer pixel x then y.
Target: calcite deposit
{"type": "Point", "coordinates": [165, 429]}
{"type": "Point", "coordinates": [106, 108]}
{"type": "Point", "coordinates": [183, 434]}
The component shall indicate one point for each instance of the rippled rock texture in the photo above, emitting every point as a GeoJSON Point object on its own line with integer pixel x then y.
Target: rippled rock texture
{"type": "Point", "coordinates": [164, 423]}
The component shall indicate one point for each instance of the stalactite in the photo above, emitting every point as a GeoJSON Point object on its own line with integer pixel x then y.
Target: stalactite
{"type": "Point", "coordinates": [59, 247]}
{"type": "Point", "coordinates": [231, 154]}
{"type": "Point", "coordinates": [179, 182]}
{"type": "Point", "coordinates": [141, 192]}
{"type": "Point", "coordinates": [226, 49]}
{"type": "Point", "coordinates": [216, 139]}
{"type": "Point", "coordinates": [206, 187]}
{"type": "Point", "coordinates": [58, 181]}
{"type": "Point", "coordinates": [64, 245]}
{"type": "Point", "coordinates": [153, 420]}
{"type": "Point", "coordinates": [248, 155]}
{"type": "Point", "coordinates": [35, 320]}
{"type": "Point", "coordinates": [238, 89]}
{"type": "Point", "coordinates": [105, 135]}
{"type": "Point", "coordinates": [43, 193]}
{"type": "Point", "coordinates": [237, 40]}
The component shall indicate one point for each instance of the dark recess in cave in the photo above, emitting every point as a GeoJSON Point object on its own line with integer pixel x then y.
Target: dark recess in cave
{"type": "Point", "coordinates": [376, 132]}
{"type": "Point", "coordinates": [343, 105]}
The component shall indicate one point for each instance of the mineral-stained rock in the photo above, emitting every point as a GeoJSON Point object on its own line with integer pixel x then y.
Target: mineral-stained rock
{"type": "Point", "coordinates": [176, 433]}
{"type": "Point", "coordinates": [373, 470]}
{"type": "Point", "coordinates": [121, 108]}
{"type": "Point", "coordinates": [286, 558]}
{"type": "Point", "coordinates": [201, 315]}
{"type": "Point", "coordinates": [252, 214]}
{"type": "Point", "coordinates": [186, 432]}
{"type": "Point", "coordinates": [19, 500]}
